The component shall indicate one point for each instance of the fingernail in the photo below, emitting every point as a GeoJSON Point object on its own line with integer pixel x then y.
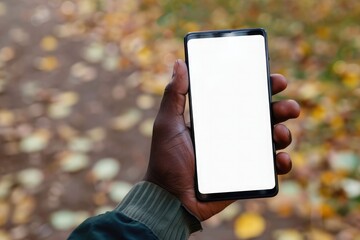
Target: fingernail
{"type": "Point", "coordinates": [176, 65]}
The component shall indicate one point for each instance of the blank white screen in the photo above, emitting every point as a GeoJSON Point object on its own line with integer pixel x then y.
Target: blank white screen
{"type": "Point", "coordinates": [231, 114]}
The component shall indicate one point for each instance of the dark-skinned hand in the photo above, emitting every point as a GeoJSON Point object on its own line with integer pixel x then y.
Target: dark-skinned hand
{"type": "Point", "coordinates": [172, 165]}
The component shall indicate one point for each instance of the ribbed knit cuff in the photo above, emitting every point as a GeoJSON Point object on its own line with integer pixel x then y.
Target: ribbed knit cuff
{"type": "Point", "coordinates": [160, 211]}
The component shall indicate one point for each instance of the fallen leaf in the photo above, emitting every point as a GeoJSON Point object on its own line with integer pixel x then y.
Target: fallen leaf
{"type": "Point", "coordinates": [30, 89]}
{"type": "Point", "coordinates": [30, 178]}
{"type": "Point", "coordinates": [49, 43]}
{"type": "Point", "coordinates": [86, 7]}
{"type": "Point", "coordinates": [94, 53]}
{"type": "Point", "coordinates": [58, 111]}
{"type": "Point", "coordinates": [83, 72]}
{"type": "Point", "coordinates": [344, 161]}
{"type": "Point", "coordinates": [63, 219]}
{"type": "Point", "coordinates": [290, 189]}
{"type": "Point", "coordinates": [61, 107]}
{"type": "Point", "coordinates": [106, 169]}
{"type": "Point", "coordinates": [319, 234]}
{"type": "Point", "coordinates": [36, 141]}
{"type": "Point", "coordinates": [80, 144]}
{"type": "Point", "coordinates": [249, 225]}
{"type": "Point", "coordinates": [110, 63]}
{"type": "Point", "coordinates": [67, 98]}
{"type": "Point", "coordinates": [96, 134]}
{"type": "Point", "coordinates": [19, 35]}
{"type": "Point", "coordinates": [7, 118]}
{"type": "Point", "coordinates": [127, 120]}
{"type": "Point", "coordinates": [7, 54]}
{"type": "Point", "coordinates": [146, 127]}
{"type": "Point", "coordinates": [118, 191]}
{"type": "Point", "coordinates": [145, 101]}
{"type": "Point", "coordinates": [288, 234]}
{"type": "Point", "coordinates": [47, 64]}
{"type": "Point", "coordinates": [24, 209]}
{"type": "Point", "coordinates": [41, 15]}
{"type": "Point", "coordinates": [73, 161]}
{"type": "Point", "coordinates": [351, 187]}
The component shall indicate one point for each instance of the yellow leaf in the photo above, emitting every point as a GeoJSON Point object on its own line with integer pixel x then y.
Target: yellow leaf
{"type": "Point", "coordinates": [323, 32]}
{"type": "Point", "coordinates": [285, 209]}
{"type": "Point", "coordinates": [6, 118]}
{"type": "Point", "coordinates": [249, 225]}
{"type": "Point", "coordinates": [127, 120]}
{"type": "Point", "coordinates": [144, 56]}
{"type": "Point", "coordinates": [96, 134]}
{"type": "Point", "coordinates": [49, 43]}
{"type": "Point", "coordinates": [58, 111]}
{"type": "Point", "coordinates": [86, 7]}
{"type": "Point", "coordinates": [330, 177]}
{"type": "Point", "coordinates": [339, 67]}
{"type": "Point", "coordinates": [68, 98]}
{"type": "Point", "coordinates": [48, 64]}
{"type": "Point", "coordinates": [298, 160]}
{"type": "Point", "coordinates": [191, 27]}
{"type": "Point", "coordinates": [7, 54]}
{"type": "Point", "coordinates": [326, 210]}
{"type": "Point", "coordinates": [337, 122]}
{"type": "Point", "coordinates": [319, 113]}
{"type": "Point", "coordinates": [309, 90]}
{"type": "Point", "coordinates": [154, 83]}
{"type": "Point", "coordinates": [319, 235]}
{"type": "Point", "coordinates": [73, 161]}
{"type": "Point", "coordinates": [288, 234]}
{"type": "Point", "coordinates": [351, 80]}
{"type": "Point", "coordinates": [145, 101]}
{"type": "Point", "coordinates": [23, 210]}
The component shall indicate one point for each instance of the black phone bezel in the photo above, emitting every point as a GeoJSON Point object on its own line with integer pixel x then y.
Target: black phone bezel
{"type": "Point", "coordinates": [241, 194]}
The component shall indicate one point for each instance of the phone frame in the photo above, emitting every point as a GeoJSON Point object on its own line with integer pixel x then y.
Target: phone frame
{"type": "Point", "coordinates": [241, 194]}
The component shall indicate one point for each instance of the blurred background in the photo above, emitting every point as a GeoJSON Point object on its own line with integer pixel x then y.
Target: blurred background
{"type": "Point", "coordinates": [81, 82]}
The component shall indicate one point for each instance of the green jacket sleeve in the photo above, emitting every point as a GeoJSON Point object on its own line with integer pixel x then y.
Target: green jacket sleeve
{"type": "Point", "coordinates": [112, 226]}
{"type": "Point", "coordinates": [147, 209]}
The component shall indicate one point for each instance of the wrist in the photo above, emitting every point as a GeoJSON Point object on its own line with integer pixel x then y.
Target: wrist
{"type": "Point", "coordinates": [159, 210]}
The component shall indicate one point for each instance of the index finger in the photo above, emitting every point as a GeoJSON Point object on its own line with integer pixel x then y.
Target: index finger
{"type": "Point", "coordinates": [278, 83]}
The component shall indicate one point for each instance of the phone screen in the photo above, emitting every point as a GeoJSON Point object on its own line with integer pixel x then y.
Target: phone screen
{"type": "Point", "coordinates": [230, 114]}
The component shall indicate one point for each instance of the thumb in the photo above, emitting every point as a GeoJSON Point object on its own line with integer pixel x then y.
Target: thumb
{"type": "Point", "coordinates": [174, 98]}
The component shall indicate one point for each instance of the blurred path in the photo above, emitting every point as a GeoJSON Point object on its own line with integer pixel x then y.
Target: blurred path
{"type": "Point", "coordinates": [58, 113]}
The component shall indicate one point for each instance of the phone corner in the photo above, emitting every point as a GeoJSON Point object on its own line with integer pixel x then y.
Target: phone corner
{"type": "Point", "coordinates": [275, 191]}
{"type": "Point", "coordinates": [188, 36]}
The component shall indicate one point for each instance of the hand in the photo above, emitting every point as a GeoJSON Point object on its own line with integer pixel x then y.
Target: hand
{"type": "Point", "coordinates": [171, 164]}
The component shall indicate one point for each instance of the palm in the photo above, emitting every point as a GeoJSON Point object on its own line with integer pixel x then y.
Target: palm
{"type": "Point", "coordinates": [174, 150]}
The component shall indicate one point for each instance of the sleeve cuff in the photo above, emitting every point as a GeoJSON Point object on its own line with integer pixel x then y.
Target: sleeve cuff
{"type": "Point", "coordinates": [160, 211]}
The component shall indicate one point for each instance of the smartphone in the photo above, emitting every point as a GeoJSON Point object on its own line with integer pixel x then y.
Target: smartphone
{"type": "Point", "coordinates": [230, 113]}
